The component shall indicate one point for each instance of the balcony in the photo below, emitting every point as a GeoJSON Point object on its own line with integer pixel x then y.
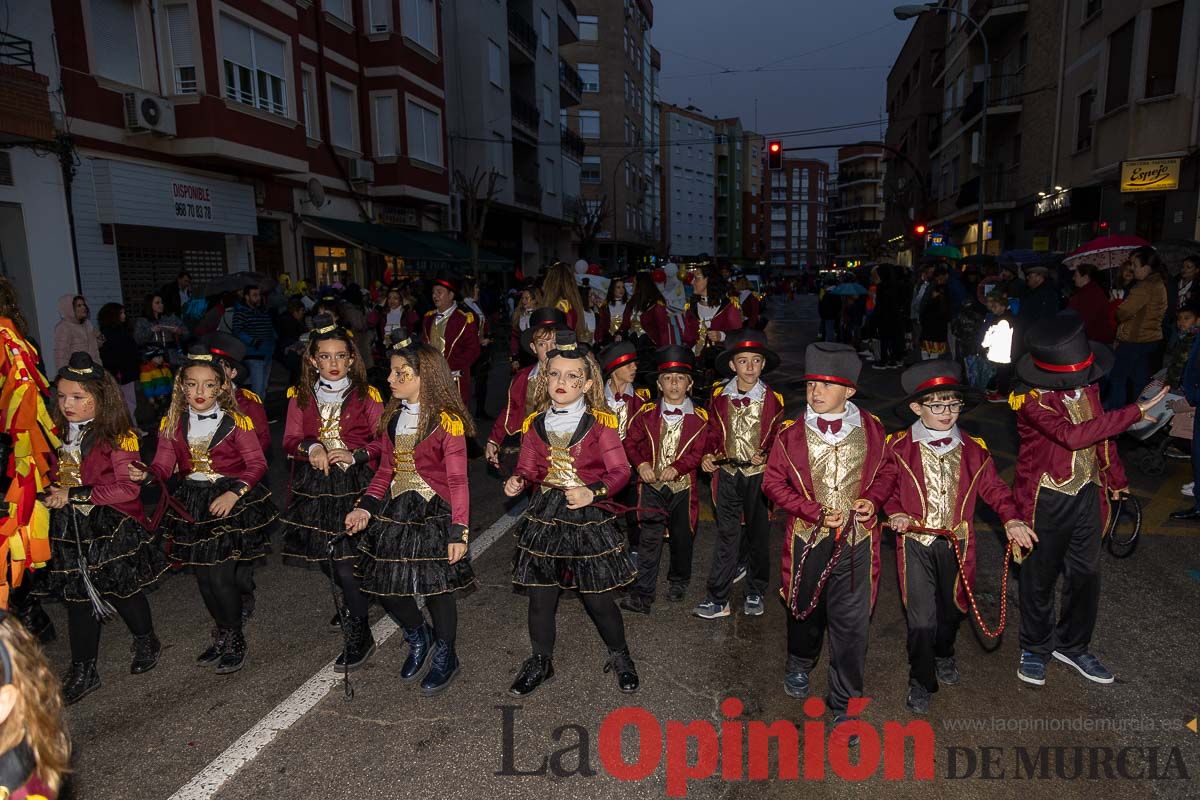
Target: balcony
{"type": "Point", "coordinates": [568, 23]}
{"type": "Point", "coordinates": [1006, 93]}
{"type": "Point", "coordinates": [26, 102]}
{"type": "Point", "coordinates": [572, 144]}
{"type": "Point", "coordinates": [527, 191]}
{"type": "Point", "coordinates": [522, 37]}
{"type": "Point", "coordinates": [998, 17]}
{"type": "Point", "coordinates": [570, 85]}
{"type": "Point", "coordinates": [846, 178]}
{"type": "Point", "coordinates": [525, 115]}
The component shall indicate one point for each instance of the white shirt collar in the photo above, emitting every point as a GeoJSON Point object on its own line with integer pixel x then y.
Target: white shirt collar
{"type": "Point", "coordinates": [409, 414]}
{"type": "Point", "coordinates": [75, 431]}
{"type": "Point", "coordinates": [612, 399]}
{"type": "Point", "coordinates": [537, 367]}
{"type": "Point", "coordinates": [565, 419]}
{"type": "Point", "coordinates": [332, 391]}
{"type": "Point", "coordinates": [756, 393]}
{"type": "Point", "coordinates": [441, 315]}
{"type": "Point", "coordinates": [923, 435]}
{"type": "Point", "coordinates": [676, 419]}
{"type": "Point", "coordinates": [851, 418]}
{"type": "Point", "coordinates": [198, 428]}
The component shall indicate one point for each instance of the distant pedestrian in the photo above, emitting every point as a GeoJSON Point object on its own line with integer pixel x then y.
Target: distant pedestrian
{"type": "Point", "coordinates": [74, 333]}
{"type": "Point", "coordinates": [119, 353]}
{"type": "Point", "coordinates": [253, 326]}
{"type": "Point", "coordinates": [1139, 329]}
{"type": "Point", "coordinates": [177, 293]}
{"type": "Point", "coordinates": [1090, 302]}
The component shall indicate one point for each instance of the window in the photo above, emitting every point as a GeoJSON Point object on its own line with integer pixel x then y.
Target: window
{"type": "Point", "coordinates": [590, 170]}
{"type": "Point", "coordinates": [183, 60]}
{"type": "Point", "coordinates": [948, 103]}
{"type": "Point", "coordinates": [116, 21]}
{"type": "Point", "coordinates": [379, 16]}
{"type": "Point", "coordinates": [308, 93]}
{"type": "Point", "coordinates": [1083, 120]}
{"type": "Point", "coordinates": [1120, 62]}
{"type": "Point", "coordinates": [589, 124]}
{"type": "Point", "coordinates": [547, 105]}
{"type": "Point", "coordinates": [547, 36]}
{"type": "Point", "coordinates": [424, 133]}
{"type": "Point", "coordinates": [549, 181]}
{"type": "Point", "coordinates": [1162, 59]}
{"type": "Point", "coordinates": [418, 22]}
{"type": "Point", "coordinates": [495, 64]}
{"type": "Point", "coordinates": [255, 66]}
{"type": "Point", "coordinates": [342, 117]}
{"type": "Point", "coordinates": [589, 28]}
{"type": "Point", "coordinates": [339, 9]}
{"type": "Point", "coordinates": [589, 74]}
{"type": "Point", "coordinates": [383, 108]}
{"type": "Point", "coordinates": [778, 213]}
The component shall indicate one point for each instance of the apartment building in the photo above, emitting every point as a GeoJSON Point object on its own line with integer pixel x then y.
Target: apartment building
{"type": "Point", "coordinates": [857, 222]}
{"type": "Point", "coordinates": [688, 187]}
{"type": "Point", "coordinates": [752, 183]}
{"type": "Point", "coordinates": [731, 184]}
{"type": "Point", "coordinates": [794, 203]}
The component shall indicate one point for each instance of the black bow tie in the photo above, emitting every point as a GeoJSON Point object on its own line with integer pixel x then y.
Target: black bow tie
{"type": "Point", "coordinates": [941, 442]}
{"type": "Point", "coordinates": [556, 411]}
{"type": "Point", "coordinates": [673, 411]}
{"type": "Point", "coordinates": [406, 407]}
{"type": "Point", "coordinates": [207, 416]}
{"type": "Point", "coordinates": [328, 386]}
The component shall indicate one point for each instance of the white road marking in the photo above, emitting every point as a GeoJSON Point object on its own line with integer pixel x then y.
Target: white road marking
{"type": "Point", "coordinates": [208, 781]}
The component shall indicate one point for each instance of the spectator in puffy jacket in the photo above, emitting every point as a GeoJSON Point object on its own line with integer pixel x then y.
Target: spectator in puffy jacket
{"type": "Point", "coordinates": [74, 332]}
{"type": "Point", "coordinates": [1139, 329]}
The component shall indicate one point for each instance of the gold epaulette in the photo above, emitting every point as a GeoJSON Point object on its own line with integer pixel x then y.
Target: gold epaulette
{"type": "Point", "coordinates": [373, 393]}
{"type": "Point", "coordinates": [128, 441]}
{"type": "Point", "coordinates": [645, 408]}
{"type": "Point", "coordinates": [687, 306]}
{"type": "Point", "coordinates": [605, 418]}
{"type": "Point", "coordinates": [293, 391]}
{"type": "Point", "coordinates": [778, 396]}
{"type": "Point", "coordinates": [733, 301]}
{"type": "Point", "coordinates": [528, 421]}
{"type": "Point", "coordinates": [643, 393]}
{"type": "Point", "coordinates": [430, 313]}
{"type": "Point", "coordinates": [977, 440]}
{"type": "Point", "coordinates": [243, 422]}
{"type": "Point", "coordinates": [896, 437]}
{"type": "Point", "coordinates": [783, 426]}
{"type": "Point", "coordinates": [563, 306]}
{"type": "Point", "coordinates": [251, 396]}
{"type": "Point", "coordinates": [701, 413]}
{"type": "Point", "coordinates": [451, 423]}
{"type": "Point", "coordinates": [162, 424]}
{"type": "Point", "coordinates": [718, 387]}
{"type": "Point", "coordinates": [1015, 401]}
{"type": "Point", "coordinates": [662, 302]}
{"type": "Point", "coordinates": [470, 317]}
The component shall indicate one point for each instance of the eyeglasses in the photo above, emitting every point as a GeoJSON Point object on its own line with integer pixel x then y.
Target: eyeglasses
{"type": "Point", "coordinates": [942, 408]}
{"type": "Point", "coordinates": [325, 358]}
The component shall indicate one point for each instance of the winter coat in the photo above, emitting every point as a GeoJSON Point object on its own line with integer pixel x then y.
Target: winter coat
{"type": "Point", "coordinates": [71, 336]}
{"type": "Point", "coordinates": [1140, 317]}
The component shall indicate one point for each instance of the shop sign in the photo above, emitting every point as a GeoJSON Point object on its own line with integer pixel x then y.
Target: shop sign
{"type": "Point", "coordinates": [1053, 204]}
{"type": "Point", "coordinates": [193, 201]}
{"type": "Point", "coordinates": [1041, 244]}
{"type": "Point", "coordinates": [935, 238]}
{"type": "Point", "coordinates": [1150, 175]}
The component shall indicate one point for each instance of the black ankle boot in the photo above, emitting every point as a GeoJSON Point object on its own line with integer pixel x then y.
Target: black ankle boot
{"type": "Point", "coordinates": [80, 681]}
{"type": "Point", "coordinates": [536, 670]}
{"type": "Point", "coordinates": [233, 654]}
{"type": "Point", "coordinates": [212, 653]}
{"type": "Point", "coordinates": [442, 669]}
{"type": "Point", "coordinates": [419, 641]}
{"type": "Point", "coordinates": [145, 653]}
{"type": "Point", "coordinates": [37, 621]}
{"type": "Point", "coordinates": [359, 645]}
{"type": "Point", "coordinates": [621, 663]}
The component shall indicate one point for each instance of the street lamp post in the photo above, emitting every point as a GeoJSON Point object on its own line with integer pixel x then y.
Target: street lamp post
{"type": "Point", "coordinates": [915, 10]}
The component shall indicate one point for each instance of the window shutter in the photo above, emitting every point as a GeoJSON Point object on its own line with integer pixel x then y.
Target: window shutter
{"type": "Point", "coordinates": [179, 31]}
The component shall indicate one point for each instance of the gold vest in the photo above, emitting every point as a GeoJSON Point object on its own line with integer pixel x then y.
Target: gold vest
{"type": "Point", "coordinates": [743, 436]}
{"type": "Point", "coordinates": [561, 473]}
{"type": "Point", "coordinates": [329, 431]}
{"type": "Point", "coordinates": [437, 333]}
{"type": "Point", "coordinates": [635, 322]}
{"type": "Point", "coordinates": [1083, 462]}
{"type": "Point", "coordinates": [836, 471]}
{"type": "Point", "coordinates": [405, 477]}
{"type": "Point", "coordinates": [69, 474]}
{"type": "Point", "coordinates": [530, 397]}
{"type": "Point", "coordinates": [941, 491]}
{"type": "Point", "coordinates": [668, 451]}
{"type": "Point", "coordinates": [202, 468]}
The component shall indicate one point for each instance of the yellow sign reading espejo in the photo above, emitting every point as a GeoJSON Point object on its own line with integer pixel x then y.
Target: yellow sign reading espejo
{"type": "Point", "coordinates": [1150, 175]}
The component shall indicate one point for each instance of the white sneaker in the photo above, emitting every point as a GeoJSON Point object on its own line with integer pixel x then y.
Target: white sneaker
{"type": "Point", "coordinates": [1188, 489]}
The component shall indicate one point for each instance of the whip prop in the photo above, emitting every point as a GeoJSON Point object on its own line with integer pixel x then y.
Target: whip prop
{"type": "Point", "coordinates": [101, 608]}
{"type": "Point", "coordinates": [343, 620]}
{"type": "Point", "coordinates": [165, 500]}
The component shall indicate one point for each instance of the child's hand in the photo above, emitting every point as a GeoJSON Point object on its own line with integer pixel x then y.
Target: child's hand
{"type": "Point", "coordinates": [318, 458]}
{"type": "Point", "coordinates": [455, 551]}
{"type": "Point", "coordinates": [514, 486]}
{"type": "Point", "coordinates": [356, 520]}
{"type": "Point", "coordinates": [223, 504]}
{"type": "Point", "coordinates": [136, 475]}
{"type": "Point", "coordinates": [709, 463]}
{"type": "Point", "coordinates": [579, 496]}
{"type": "Point", "coordinates": [669, 474]}
{"type": "Point", "coordinates": [646, 473]}
{"type": "Point", "coordinates": [833, 519]}
{"type": "Point", "coordinates": [758, 459]}
{"type": "Point", "coordinates": [864, 511]}
{"type": "Point", "coordinates": [1146, 405]}
{"type": "Point", "coordinates": [899, 522]}
{"type": "Point", "coordinates": [1020, 533]}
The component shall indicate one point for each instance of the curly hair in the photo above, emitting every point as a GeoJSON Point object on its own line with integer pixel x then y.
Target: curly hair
{"type": "Point", "coordinates": [179, 404]}
{"type": "Point", "coordinates": [438, 391]}
{"type": "Point", "coordinates": [112, 416]}
{"type": "Point", "coordinates": [535, 294]}
{"type": "Point", "coordinates": [10, 306]}
{"type": "Point", "coordinates": [37, 717]}
{"type": "Point", "coordinates": [559, 284]}
{"type": "Point", "coordinates": [309, 374]}
{"type": "Point", "coordinates": [594, 397]}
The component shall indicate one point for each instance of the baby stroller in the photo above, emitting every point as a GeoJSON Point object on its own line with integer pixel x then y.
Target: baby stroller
{"type": "Point", "coordinates": [1154, 435]}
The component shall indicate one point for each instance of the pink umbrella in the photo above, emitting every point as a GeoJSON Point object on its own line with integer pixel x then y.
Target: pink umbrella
{"type": "Point", "coordinates": [1106, 252]}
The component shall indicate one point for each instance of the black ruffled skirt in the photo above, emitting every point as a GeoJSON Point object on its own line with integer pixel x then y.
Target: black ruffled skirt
{"type": "Point", "coordinates": [317, 512]}
{"type": "Point", "coordinates": [244, 534]}
{"type": "Point", "coordinates": [579, 549]}
{"type": "Point", "coordinates": [403, 550]}
{"type": "Point", "coordinates": [122, 556]}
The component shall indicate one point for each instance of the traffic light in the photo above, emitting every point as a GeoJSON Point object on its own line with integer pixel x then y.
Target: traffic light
{"type": "Point", "coordinates": [775, 155]}
{"type": "Point", "coordinates": [919, 229]}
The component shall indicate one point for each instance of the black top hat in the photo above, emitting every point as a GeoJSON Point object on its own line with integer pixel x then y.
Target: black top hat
{"type": "Point", "coordinates": [617, 355]}
{"type": "Point", "coordinates": [566, 345]}
{"type": "Point", "coordinates": [1060, 356]}
{"type": "Point", "coordinates": [230, 349]}
{"type": "Point", "coordinates": [831, 362]}
{"type": "Point", "coordinates": [324, 327]}
{"type": "Point", "coordinates": [80, 367]}
{"type": "Point", "coordinates": [540, 319]}
{"type": "Point", "coordinates": [674, 358]}
{"type": "Point", "coordinates": [746, 340]}
{"type": "Point", "coordinates": [929, 377]}
{"type": "Point", "coordinates": [399, 339]}
{"type": "Point", "coordinates": [447, 282]}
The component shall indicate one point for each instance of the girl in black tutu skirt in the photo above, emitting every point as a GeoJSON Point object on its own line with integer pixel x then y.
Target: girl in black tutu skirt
{"type": "Point", "coordinates": [330, 437]}
{"type": "Point", "coordinates": [417, 509]}
{"type": "Point", "coordinates": [97, 524]}
{"type": "Point", "coordinates": [215, 452]}
{"type": "Point", "coordinates": [571, 457]}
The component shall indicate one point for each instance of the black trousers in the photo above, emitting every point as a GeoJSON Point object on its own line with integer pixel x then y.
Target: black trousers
{"type": "Point", "coordinates": [844, 610]}
{"type": "Point", "coordinates": [633, 526]}
{"type": "Point", "coordinates": [933, 618]}
{"type": "Point", "coordinates": [1069, 533]}
{"type": "Point", "coordinates": [600, 606]}
{"type": "Point", "coordinates": [84, 629]}
{"type": "Point", "coordinates": [443, 609]}
{"type": "Point", "coordinates": [677, 521]}
{"type": "Point", "coordinates": [222, 593]}
{"type": "Point", "coordinates": [741, 512]}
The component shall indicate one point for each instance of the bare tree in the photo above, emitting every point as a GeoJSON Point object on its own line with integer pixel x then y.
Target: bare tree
{"type": "Point", "coordinates": [478, 192]}
{"type": "Point", "coordinates": [587, 221]}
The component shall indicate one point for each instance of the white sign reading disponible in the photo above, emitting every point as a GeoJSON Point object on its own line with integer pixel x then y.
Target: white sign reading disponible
{"type": "Point", "coordinates": [193, 201]}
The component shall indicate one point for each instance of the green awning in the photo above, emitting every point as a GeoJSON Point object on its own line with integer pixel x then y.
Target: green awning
{"type": "Point", "coordinates": [422, 251]}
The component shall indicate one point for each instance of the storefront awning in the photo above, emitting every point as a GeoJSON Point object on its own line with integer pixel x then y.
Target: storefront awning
{"type": "Point", "coordinates": [421, 251]}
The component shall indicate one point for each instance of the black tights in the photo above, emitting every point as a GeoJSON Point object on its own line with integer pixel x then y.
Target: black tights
{"type": "Point", "coordinates": [355, 602]}
{"type": "Point", "coordinates": [222, 593]}
{"type": "Point", "coordinates": [543, 606]}
{"type": "Point", "coordinates": [442, 608]}
{"type": "Point", "coordinates": [84, 629]}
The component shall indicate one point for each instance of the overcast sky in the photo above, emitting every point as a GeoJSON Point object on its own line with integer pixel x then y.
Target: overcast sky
{"type": "Point", "coordinates": [820, 63]}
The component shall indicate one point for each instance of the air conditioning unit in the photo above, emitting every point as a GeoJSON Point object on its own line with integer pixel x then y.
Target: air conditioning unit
{"type": "Point", "coordinates": [148, 113]}
{"type": "Point", "coordinates": [361, 170]}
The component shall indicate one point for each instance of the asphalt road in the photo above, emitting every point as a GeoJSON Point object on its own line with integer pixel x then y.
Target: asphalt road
{"type": "Point", "coordinates": [293, 734]}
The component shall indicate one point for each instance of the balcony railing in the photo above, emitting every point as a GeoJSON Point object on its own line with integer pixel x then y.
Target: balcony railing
{"type": "Point", "coordinates": [1006, 90]}
{"type": "Point", "coordinates": [572, 144]}
{"type": "Point", "coordinates": [16, 51]}
{"type": "Point", "coordinates": [524, 113]}
{"type": "Point", "coordinates": [569, 79]}
{"type": "Point", "coordinates": [522, 32]}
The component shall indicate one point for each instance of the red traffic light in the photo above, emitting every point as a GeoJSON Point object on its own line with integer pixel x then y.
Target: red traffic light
{"type": "Point", "coordinates": [776, 147]}
{"type": "Point", "coordinates": [919, 229]}
{"type": "Point", "coordinates": [774, 155]}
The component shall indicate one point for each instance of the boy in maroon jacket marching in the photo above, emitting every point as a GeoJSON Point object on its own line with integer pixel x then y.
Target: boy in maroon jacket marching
{"type": "Point", "coordinates": [1068, 470]}
{"type": "Point", "coordinates": [454, 332]}
{"type": "Point", "coordinates": [665, 442]}
{"type": "Point", "coordinates": [744, 417]}
{"type": "Point", "coordinates": [940, 474]}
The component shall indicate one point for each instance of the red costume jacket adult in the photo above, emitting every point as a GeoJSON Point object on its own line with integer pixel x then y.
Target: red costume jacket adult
{"type": "Point", "coordinates": [359, 420]}
{"type": "Point", "coordinates": [462, 345]}
{"type": "Point", "coordinates": [233, 451]}
{"type": "Point", "coordinates": [727, 318]}
{"type": "Point", "coordinates": [788, 484]}
{"type": "Point", "coordinates": [251, 405]}
{"type": "Point", "coordinates": [1049, 440]}
{"type": "Point", "coordinates": [440, 459]}
{"type": "Point", "coordinates": [104, 476]}
{"type": "Point", "coordinates": [977, 477]}
{"type": "Point", "coordinates": [1090, 302]}
{"type": "Point", "coordinates": [603, 331]}
{"type": "Point", "coordinates": [595, 448]}
{"type": "Point", "coordinates": [643, 437]}
{"type": "Point", "coordinates": [752, 311]}
{"type": "Point", "coordinates": [513, 416]}
{"type": "Point", "coordinates": [654, 321]}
